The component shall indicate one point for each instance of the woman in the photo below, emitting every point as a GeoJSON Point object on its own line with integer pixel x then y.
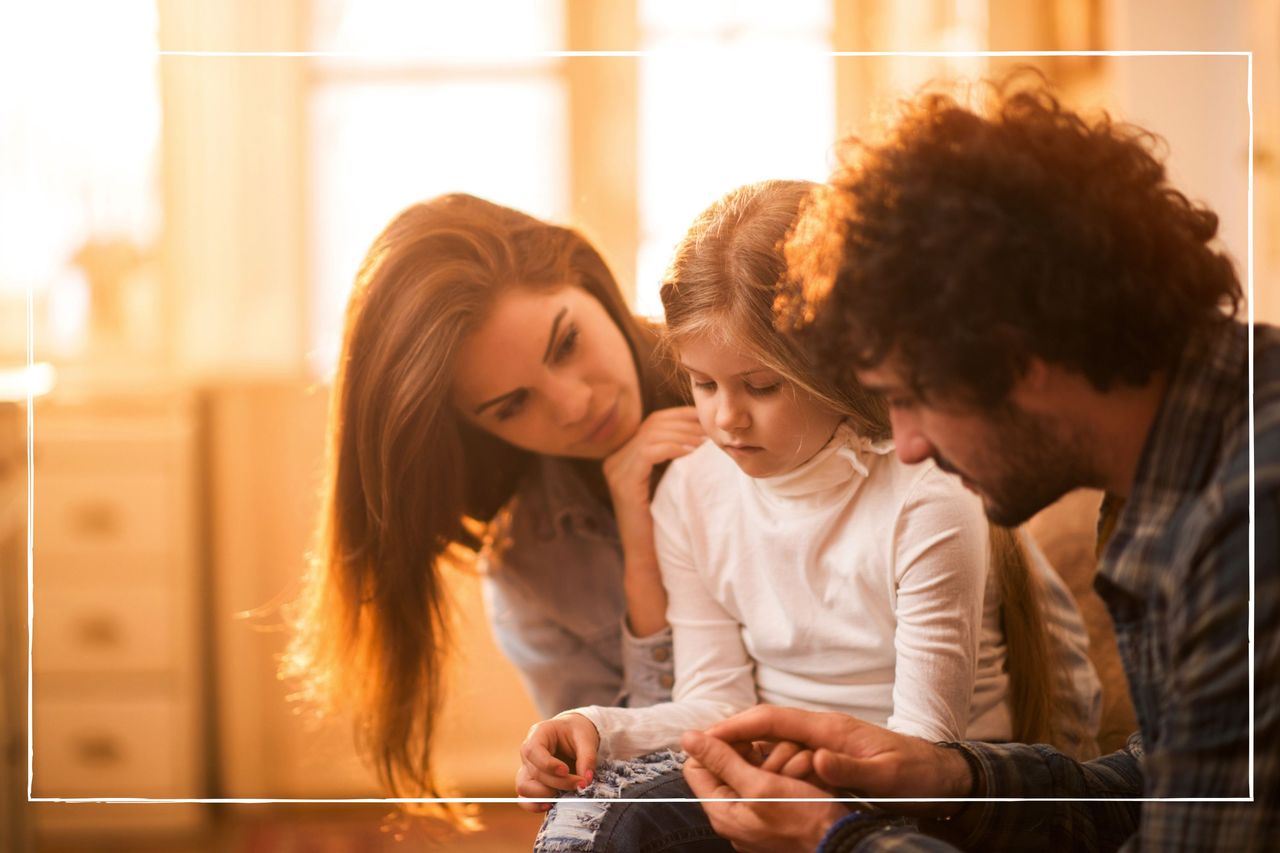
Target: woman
{"type": "Point", "coordinates": [494, 396]}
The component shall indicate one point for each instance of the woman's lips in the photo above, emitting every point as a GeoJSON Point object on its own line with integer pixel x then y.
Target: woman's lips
{"type": "Point", "coordinates": [741, 451]}
{"type": "Point", "coordinates": [604, 427]}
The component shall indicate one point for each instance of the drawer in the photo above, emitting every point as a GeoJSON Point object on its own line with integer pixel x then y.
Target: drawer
{"type": "Point", "coordinates": [99, 628]}
{"type": "Point", "coordinates": [101, 521]}
{"type": "Point", "coordinates": [125, 748]}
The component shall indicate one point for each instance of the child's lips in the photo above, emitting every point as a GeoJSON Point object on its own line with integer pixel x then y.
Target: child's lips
{"type": "Point", "coordinates": [741, 450]}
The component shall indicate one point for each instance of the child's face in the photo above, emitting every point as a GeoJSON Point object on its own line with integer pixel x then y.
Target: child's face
{"type": "Point", "coordinates": [765, 423]}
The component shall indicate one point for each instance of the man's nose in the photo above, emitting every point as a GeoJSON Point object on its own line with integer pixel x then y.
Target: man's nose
{"type": "Point", "coordinates": [910, 442]}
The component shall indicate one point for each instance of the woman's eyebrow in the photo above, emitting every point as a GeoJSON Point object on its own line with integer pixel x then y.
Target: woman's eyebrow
{"type": "Point", "coordinates": [555, 324]}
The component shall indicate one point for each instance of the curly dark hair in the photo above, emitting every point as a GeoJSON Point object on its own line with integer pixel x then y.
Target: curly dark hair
{"type": "Point", "coordinates": [969, 241]}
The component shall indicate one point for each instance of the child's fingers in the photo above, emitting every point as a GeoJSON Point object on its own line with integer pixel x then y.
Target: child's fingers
{"type": "Point", "coordinates": [535, 752]}
{"type": "Point", "coordinates": [527, 787]}
{"type": "Point", "coordinates": [799, 766]}
{"type": "Point", "coordinates": [782, 752]}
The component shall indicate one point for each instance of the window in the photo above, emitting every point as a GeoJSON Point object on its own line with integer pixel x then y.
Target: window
{"type": "Point", "coordinates": [80, 211]}
{"type": "Point", "coordinates": [731, 93]}
{"type": "Point", "coordinates": [421, 99]}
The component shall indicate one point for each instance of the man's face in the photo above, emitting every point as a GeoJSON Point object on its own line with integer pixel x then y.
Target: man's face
{"type": "Point", "coordinates": [1017, 461]}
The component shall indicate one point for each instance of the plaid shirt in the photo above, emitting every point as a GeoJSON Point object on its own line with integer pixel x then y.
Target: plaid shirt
{"type": "Point", "coordinates": [1174, 574]}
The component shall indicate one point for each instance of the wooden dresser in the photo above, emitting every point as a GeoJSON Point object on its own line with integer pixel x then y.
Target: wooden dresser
{"type": "Point", "coordinates": [118, 657]}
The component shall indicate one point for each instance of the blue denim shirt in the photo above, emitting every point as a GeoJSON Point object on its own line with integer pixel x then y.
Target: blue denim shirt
{"type": "Point", "coordinates": [552, 564]}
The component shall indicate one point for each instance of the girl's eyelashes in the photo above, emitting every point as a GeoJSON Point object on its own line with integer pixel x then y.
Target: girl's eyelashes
{"type": "Point", "coordinates": [567, 344]}
{"type": "Point", "coordinates": [708, 386]}
{"type": "Point", "coordinates": [513, 406]}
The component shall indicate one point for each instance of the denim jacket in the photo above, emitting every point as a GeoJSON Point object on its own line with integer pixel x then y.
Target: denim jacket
{"type": "Point", "coordinates": [552, 564]}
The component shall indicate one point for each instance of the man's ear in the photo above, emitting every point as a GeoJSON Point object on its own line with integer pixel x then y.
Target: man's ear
{"type": "Point", "coordinates": [1036, 383]}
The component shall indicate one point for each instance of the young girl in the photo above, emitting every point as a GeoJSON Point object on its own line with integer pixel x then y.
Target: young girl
{"type": "Point", "coordinates": [804, 564]}
{"type": "Point", "coordinates": [494, 398]}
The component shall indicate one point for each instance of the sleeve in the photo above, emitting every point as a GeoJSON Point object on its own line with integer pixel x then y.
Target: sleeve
{"type": "Point", "coordinates": [1077, 713]}
{"type": "Point", "coordinates": [1204, 749]}
{"type": "Point", "coordinates": [714, 675]}
{"type": "Point", "coordinates": [940, 569]}
{"type": "Point", "coordinates": [1096, 821]}
{"type": "Point", "coordinates": [567, 662]}
{"type": "Point", "coordinates": [647, 668]}
{"type": "Point", "coordinates": [558, 668]}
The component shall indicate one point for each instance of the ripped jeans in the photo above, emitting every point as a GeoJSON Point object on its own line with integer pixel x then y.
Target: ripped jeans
{"type": "Point", "coordinates": [593, 820]}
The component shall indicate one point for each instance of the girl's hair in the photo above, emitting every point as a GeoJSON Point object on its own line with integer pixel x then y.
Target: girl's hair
{"type": "Point", "coordinates": [409, 486]}
{"type": "Point", "coordinates": [723, 282]}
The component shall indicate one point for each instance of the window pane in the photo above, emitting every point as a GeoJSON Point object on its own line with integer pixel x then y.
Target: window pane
{"type": "Point", "coordinates": [379, 148]}
{"type": "Point", "coordinates": [729, 16]}
{"type": "Point", "coordinates": [388, 27]}
{"type": "Point", "coordinates": [78, 164]}
{"type": "Point", "coordinates": [716, 118]}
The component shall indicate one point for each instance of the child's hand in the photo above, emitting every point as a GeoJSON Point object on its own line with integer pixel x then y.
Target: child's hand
{"type": "Point", "coordinates": [790, 759]}
{"type": "Point", "coordinates": [545, 751]}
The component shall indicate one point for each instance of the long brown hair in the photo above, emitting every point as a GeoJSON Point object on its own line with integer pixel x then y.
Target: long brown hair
{"type": "Point", "coordinates": [724, 280]}
{"type": "Point", "coordinates": [409, 485]}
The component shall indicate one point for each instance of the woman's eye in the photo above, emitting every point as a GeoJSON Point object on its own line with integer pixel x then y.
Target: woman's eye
{"type": "Point", "coordinates": [763, 390]}
{"type": "Point", "coordinates": [567, 344]}
{"type": "Point", "coordinates": [512, 406]}
{"type": "Point", "coordinates": [706, 387]}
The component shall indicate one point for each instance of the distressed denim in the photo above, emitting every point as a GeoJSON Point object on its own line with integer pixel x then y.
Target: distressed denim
{"type": "Point", "coordinates": [594, 820]}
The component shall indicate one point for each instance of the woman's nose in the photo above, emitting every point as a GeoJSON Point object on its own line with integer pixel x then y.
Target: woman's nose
{"type": "Point", "coordinates": [571, 400]}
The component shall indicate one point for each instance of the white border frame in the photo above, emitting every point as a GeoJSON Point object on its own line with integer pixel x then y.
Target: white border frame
{"type": "Point", "coordinates": [635, 54]}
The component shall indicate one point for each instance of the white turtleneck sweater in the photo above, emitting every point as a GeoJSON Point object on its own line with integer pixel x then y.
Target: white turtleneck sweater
{"type": "Point", "coordinates": [853, 583]}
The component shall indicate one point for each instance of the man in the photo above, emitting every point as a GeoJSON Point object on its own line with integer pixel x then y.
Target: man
{"type": "Point", "coordinates": [1043, 312]}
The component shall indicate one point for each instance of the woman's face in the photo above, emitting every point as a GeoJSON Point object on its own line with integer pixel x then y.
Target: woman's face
{"type": "Point", "coordinates": [549, 371]}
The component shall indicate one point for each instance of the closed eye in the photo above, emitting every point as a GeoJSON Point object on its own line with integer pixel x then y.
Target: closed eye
{"type": "Point", "coordinates": [568, 344]}
{"type": "Point", "coordinates": [512, 406]}
{"type": "Point", "coordinates": [706, 387]}
{"type": "Point", "coordinates": [763, 390]}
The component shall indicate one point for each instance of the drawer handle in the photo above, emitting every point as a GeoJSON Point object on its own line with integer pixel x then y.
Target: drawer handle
{"type": "Point", "coordinates": [98, 631]}
{"type": "Point", "coordinates": [100, 750]}
{"type": "Point", "coordinates": [96, 518]}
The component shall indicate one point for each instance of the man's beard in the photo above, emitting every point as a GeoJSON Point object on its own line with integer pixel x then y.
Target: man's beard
{"type": "Point", "coordinates": [1028, 465]}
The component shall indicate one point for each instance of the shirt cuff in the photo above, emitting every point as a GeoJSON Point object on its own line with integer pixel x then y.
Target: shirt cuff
{"type": "Point", "coordinates": [648, 671]}
{"type": "Point", "coordinates": [849, 832]}
{"type": "Point", "coordinates": [976, 814]}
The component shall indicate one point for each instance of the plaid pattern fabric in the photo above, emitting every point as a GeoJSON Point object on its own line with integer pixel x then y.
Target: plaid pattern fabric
{"type": "Point", "coordinates": [1174, 574]}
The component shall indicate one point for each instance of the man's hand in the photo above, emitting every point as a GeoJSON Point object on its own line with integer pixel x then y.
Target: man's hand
{"type": "Point", "coordinates": [859, 757]}
{"type": "Point", "coordinates": [715, 770]}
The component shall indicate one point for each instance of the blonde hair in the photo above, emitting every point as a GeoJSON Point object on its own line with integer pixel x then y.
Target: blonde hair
{"type": "Point", "coordinates": [722, 286]}
{"type": "Point", "coordinates": [409, 485]}
{"type": "Point", "coordinates": [722, 283]}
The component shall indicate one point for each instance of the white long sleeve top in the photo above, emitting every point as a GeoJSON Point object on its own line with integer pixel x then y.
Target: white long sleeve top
{"type": "Point", "coordinates": [853, 583]}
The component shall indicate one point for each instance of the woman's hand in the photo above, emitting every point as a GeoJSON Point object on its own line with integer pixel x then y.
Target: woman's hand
{"type": "Point", "coordinates": [664, 435]}
{"type": "Point", "coordinates": [546, 753]}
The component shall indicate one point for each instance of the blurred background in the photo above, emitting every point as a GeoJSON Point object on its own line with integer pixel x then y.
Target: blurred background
{"type": "Point", "coordinates": [187, 225]}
